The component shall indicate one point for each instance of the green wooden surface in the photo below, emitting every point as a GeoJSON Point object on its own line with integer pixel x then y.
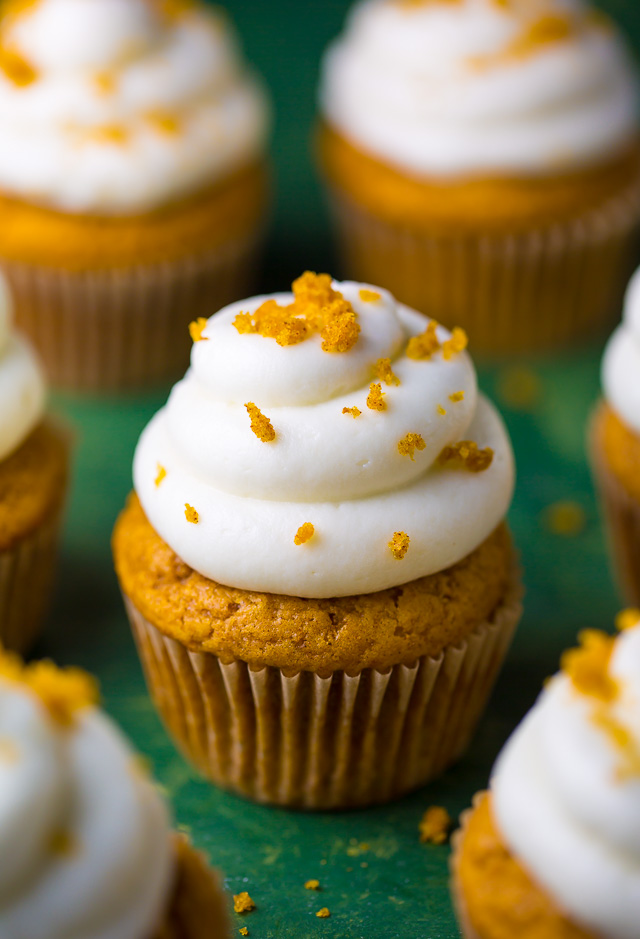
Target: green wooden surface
{"type": "Point", "coordinates": [397, 887]}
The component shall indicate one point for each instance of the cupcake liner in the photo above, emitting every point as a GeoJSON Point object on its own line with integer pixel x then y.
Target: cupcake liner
{"type": "Point", "coordinates": [512, 292]}
{"type": "Point", "coordinates": [26, 584]}
{"type": "Point", "coordinates": [113, 329]}
{"type": "Point", "coordinates": [622, 519]}
{"type": "Point", "coordinates": [316, 741]}
{"type": "Point", "coordinates": [457, 895]}
{"type": "Point", "coordinates": [198, 907]}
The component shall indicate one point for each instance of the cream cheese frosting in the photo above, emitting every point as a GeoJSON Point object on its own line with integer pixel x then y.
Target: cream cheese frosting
{"type": "Point", "coordinates": [566, 792]}
{"type": "Point", "coordinates": [621, 363]}
{"type": "Point", "coordinates": [120, 106]}
{"type": "Point", "coordinates": [356, 480]}
{"type": "Point", "coordinates": [481, 87]}
{"type": "Point", "coordinates": [22, 387]}
{"type": "Point", "coordinates": [85, 845]}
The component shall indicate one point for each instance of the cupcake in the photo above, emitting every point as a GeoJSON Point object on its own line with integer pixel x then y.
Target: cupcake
{"type": "Point", "coordinates": [87, 847]}
{"type": "Point", "coordinates": [483, 163]}
{"type": "Point", "coordinates": [552, 849]}
{"type": "Point", "coordinates": [315, 561]}
{"type": "Point", "coordinates": [132, 180]}
{"type": "Point", "coordinates": [615, 444]}
{"type": "Point", "coordinates": [34, 456]}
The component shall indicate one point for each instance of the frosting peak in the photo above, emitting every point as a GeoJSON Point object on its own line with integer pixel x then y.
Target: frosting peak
{"type": "Point", "coordinates": [263, 438]}
{"type": "Point", "coordinates": [621, 363]}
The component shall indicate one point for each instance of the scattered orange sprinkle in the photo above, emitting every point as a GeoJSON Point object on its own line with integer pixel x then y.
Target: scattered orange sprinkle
{"type": "Point", "coordinates": [588, 665]}
{"type": "Point", "coordinates": [565, 518]}
{"type": "Point", "coordinates": [190, 514]}
{"type": "Point", "coordinates": [341, 328]}
{"type": "Point", "coordinates": [627, 619]}
{"type": "Point", "coordinates": [409, 444]}
{"type": "Point", "coordinates": [354, 412]}
{"type": "Point", "coordinates": [242, 903]}
{"type": "Point", "coordinates": [466, 455]}
{"type": "Point", "coordinates": [161, 474]}
{"type": "Point", "coordinates": [304, 533]}
{"type": "Point", "coordinates": [457, 396]}
{"type": "Point", "coordinates": [384, 372]}
{"type": "Point", "coordinates": [399, 545]}
{"type": "Point", "coordinates": [244, 931]}
{"type": "Point", "coordinates": [423, 346]}
{"type": "Point", "coordinates": [197, 328]}
{"type": "Point", "coordinates": [164, 121]}
{"type": "Point", "coordinates": [441, 411]}
{"type": "Point", "coordinates": [63, 692]}
{"type": "Point", "coordinates": [458, 343]}
{"type": "Point", "coordinates": [115, 134]}
{"type": "Point", "coordinates": [375, 398]}
{"type": "Point", "coordinates": [312, 885]}
{"type": "Point", "coordinates": [323, 913]}
{"type": "Point", "coordinates": [435, 825]}
{"type": "Point", "coordinates": [16, 68]}
{"type": "Point", "coordinates": [62, 843]}
{"type": "Point", "coordinates": [260, 425]}
{"type": "Point", "coordinates": [105, 82]}
{"type": "Point", "coordinates": [369, 296]}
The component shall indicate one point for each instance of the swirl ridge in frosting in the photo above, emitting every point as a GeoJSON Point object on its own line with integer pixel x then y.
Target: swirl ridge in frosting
{"type": "Point", "coordinates": [621, 363]}
{"type": "Point", "coordinates": [354, 450]}
{"type": "Point", "coordinates": [446, 89]}
{"type": "Point", "coordinates": [120, 106]}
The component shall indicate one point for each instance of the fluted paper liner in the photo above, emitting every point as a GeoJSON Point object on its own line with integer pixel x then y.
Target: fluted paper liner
{"type": "Point", "coordinates": [622, 519]}
{"type": "Point", "coordinates": [197, 908]}
{"type": "Point", "coordinates": [512, 292]}
{"type": "Point", "coordinates": [319, 742]}
{"type": "Point", "coordinates": [457, 895]}
{"type": "Point", "coordinates": [26, 583]}
{"type": "Point", "coordinates": [110, 330]}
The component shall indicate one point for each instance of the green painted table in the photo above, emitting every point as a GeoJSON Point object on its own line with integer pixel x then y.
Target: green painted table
{"type": "Point", "coordinates": [377, 879]}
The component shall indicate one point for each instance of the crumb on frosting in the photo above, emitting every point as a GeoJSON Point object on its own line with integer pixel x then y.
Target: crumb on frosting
{"type": "Point", "coordinates": [627, 619]}
{"type": "Point", "coordinates": [160, 475]}
{"type": "Point", "coordinates": [456, 397]}
{"type": "Point", "coordinates": [410, 443]}
{"type": "Point", "coordinates": [197, 328]}
{"type": "Point", "coordinates": [384, 372]}
{"type": "Point", "coordinates": [190, 514]}
{"type": "Point", "coordinates": [16, 68]}
{"type": "Point", "coordinates": [435, 825]}
{"type": "Point", "coordinates": [466, 455]}
{"type": "Point", "coordinates": [312, 885]}
{"type": "Point", "coordinates": [64, 692]}
{"type": "Point", "coordinates": [441, 411]}
{"type": "Point", "coordinates": [546, 30]}
{"type": "Point", "coordinates": [242, 903]}
{"type": "Point", "coordinates": [260, 424]}
{"type": "Point", "coordinates": [354, 412]}
{"type": "Point", "coordinates": [116, 135]}
{"type": "Point", "coordinates": [399, 545]}
{"type": "Point", "coordinates": [425, 345]}
{"type": "Point", "coordinates": [324, 913]}
{"type": "Point", "coordinates": [458, 343]}
{"type": "Point", "coordinates": [588, 665]}
{"type": "Point", "coordinates": [369, 296]}
{"type": "Point", "coordinates": [375, 398]}
{"type": "Point", "coordinates": [105, 82]}
{"type": "Point", "coordinates": [165, 122]}
{"type": "Point", "coordinates": [305, 533]}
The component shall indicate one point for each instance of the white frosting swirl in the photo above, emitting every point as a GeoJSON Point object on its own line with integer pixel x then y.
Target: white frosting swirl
{"type": "Point", "coordinates": [22, 388]}
{"type": "Point", "coordinates": [112, 877]}
{"type": "Point", "coordinates": [129, 107]}
{"type": "Point", "coordinates": [433, 89]}
{"type": "Point", "coordinates": [621, 363]}
{"type": "Point", "coordinates": [345, 476]}
{"type": "Point", "coordinates": [565, 808]}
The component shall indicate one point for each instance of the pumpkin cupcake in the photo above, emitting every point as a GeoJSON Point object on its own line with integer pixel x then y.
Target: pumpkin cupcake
{"type": "Point", "coordinates": [483, 162]}
{"type": "Point", "coordinates": [132, 180]}
{"type": "Point", "coordinates": [34, 456]}
{"type": "Point", "coordinates": [87, 847]}
{"type": "Point", "coordinates": [315, 561]}
{"type": "Point", "coordinates": [615, 444]}
{"type": "Point", "coordinates": [552, 849]}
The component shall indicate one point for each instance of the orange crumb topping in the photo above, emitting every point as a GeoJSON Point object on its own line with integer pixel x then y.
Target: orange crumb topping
{"type": "Point", "coordinates": [164, 121]}
{"type": "Point", "coordinates": [424, 346]}
{"type": "Point", "coordinates": [565, 518]}
{"type": "Point", "coordinates": [312, 885]}
{"type": "Point", "coordinates": [466, 455]}
{"type": "Point", "coordinates": [63, 692]}
{"type": "Point", "coordinates": [316, 308]}
{"type": "Point", "coordinates": [62, 843]}
{"type": "Point", "coordinates": [354, 412]}
{"type": "Point", "coordinates": [544, 31]}
{"type": "Point", "coordinates": [441, 411]}
{"type": "Point", "coordinates": [627, 619]}
{"type": "Point", "coordinates": [588, 665]}
{"type": "Point", "coordinates": [305, 533]}
{"type": "Point", "coordinates": [323, 913]}
{"type": "Point", "coordinates": [435, 825]}
{"type": "Point", "coordinates": [457, 396]}
{"type": "Point", "coordinates": [161, 475]}
{"type": "Point", "coordinates": [458, 343]}
{"type": "Point", "coordinates": [105, 82]}
{"type": "Point", "coordinates": [244, 931]}
{"type": "Point", "coordinates": [399, 545]}
{"type": "Point", "coordinates": [16, 68]}
{"type": "Point", "coordinates": [369, 296]}
{"type": "Point", "coordinates": [115, 134]}
{"type": "Point", "coordinates": [375, 398]}
{"type": "Point", "coordinates": [242, 903]}
{"type": "Point", "coordinates": [409, 444]}
{"type": "Point", "coordinates": [173, 9]}
{"type": "Point", "coordinates": [260, 425]}
{"type": "Point", "coordinates": [190, 514]}
{"type": "Point", "coordinates": [197, 328]}
{"type": "Point", "coordinates": [384, 372]}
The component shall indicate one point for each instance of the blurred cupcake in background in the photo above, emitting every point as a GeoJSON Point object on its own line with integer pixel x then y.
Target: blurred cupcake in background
{"type": "Point", "coordinates": [315, 562]}
{"type": "Point", "coordinates": [132, 180]}
{"type": "Point", "coordinates": [483, 162]}
{"type": "Point", "coordinates": [34, 456]}
{"type": "Point", "coordinates": [552, 850]}
{"type": "Point", "coordinates": [87, 848]}
{"type": "Point", "coordinates": [615, 444]}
